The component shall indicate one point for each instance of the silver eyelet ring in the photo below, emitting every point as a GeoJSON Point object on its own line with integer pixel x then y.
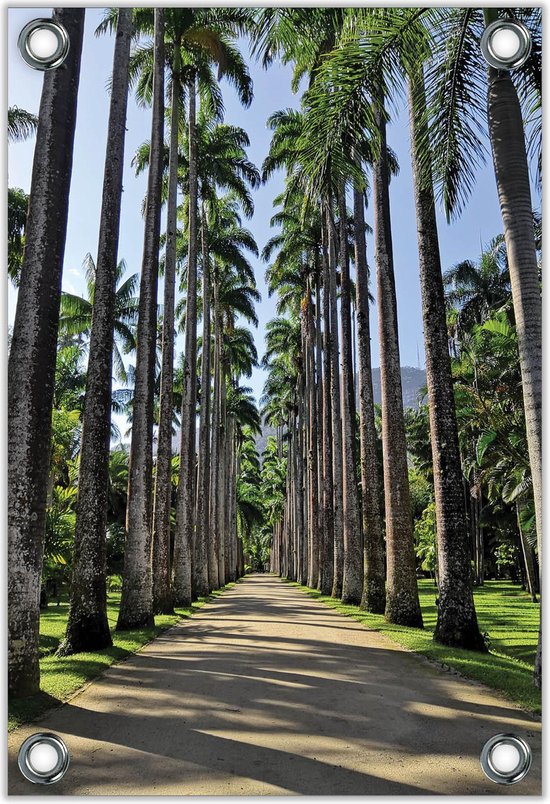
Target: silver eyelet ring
{"type": "Point", "coordinates": [506, 44]}
{"type": "Point", "coordinates": [46, 769]}
{"type": "Point", "coordinates": [506, 759]}
{"type": "Point", "coordinates": [47, 58]}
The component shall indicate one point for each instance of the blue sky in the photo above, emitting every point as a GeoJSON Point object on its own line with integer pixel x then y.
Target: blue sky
{"type": "Point", "coordinates": [463, 239]}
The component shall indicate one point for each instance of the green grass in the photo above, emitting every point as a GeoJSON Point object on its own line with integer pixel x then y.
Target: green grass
{"type": "Point", "coordinates": [507, 617]}
{"type": "Point", "coordinates": [60, 677]}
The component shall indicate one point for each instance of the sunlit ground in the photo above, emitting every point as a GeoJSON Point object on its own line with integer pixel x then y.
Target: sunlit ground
{"type": "Point", "coordinates": [506, 616]}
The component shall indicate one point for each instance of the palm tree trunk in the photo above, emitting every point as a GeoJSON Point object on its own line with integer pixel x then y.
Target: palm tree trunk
{"type": "Point", "coordinates": [136, 604]}
{"type": "Point", "coordinates": [213, 575]}
{"type": "Point", "coordinates": [326, 559]}
{"type": "Point", "coordinates": [222, 448]}
{"type": "Point", "coordinates": [402, 603]}
{"type": "Point", "coordinates": [185, 509]}
{"type": "Point", "coordinates": [87, 627]}
{"type": "Point", "coordinates": [228, 475]}
{"type": "Point", "coordinates": [325, 542]}
{"type": "Point", "coordinates": [162, 595]}
{"type": "Point", "coordinates": [352, 583]}
{"type": "Point", "coordinates": [314, 532]}
{"type": "Point", "coordinates": [374, 591]}
{"type": "Point", "coordinates": [336, 410]}
{"type": "Point", "coordinates": [31, 370]}
{"type": "Point", "coordinates": [456, 616]}
{"type": "Point", "coordinates": [507, 137]}
{"type": "Point", "coordinates": [201, 562]}
{"type": "Point", "coordinates": [299, 468]}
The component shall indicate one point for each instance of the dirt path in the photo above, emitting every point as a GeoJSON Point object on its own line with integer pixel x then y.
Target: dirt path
{"type": "Point", "coordinates": [267, 692]}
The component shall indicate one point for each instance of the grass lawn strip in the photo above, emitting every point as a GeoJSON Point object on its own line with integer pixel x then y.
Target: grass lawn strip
{"type": "Point", "coordinates": [61, 677]}
{"type": "Point", "coordinates": [507, 617]}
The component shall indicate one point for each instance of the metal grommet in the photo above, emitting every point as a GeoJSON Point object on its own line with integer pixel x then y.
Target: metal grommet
{"type": "Point", "coordinates": [43, 758]}
{"type": "Point", "coordinates": [44, 44]}
{"type": "Point", "coordinates": [506, 44]}
{"type": "Point", "coordinates": [506, 759]}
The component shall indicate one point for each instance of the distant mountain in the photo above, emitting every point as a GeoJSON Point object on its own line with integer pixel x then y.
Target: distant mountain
{"type": "Point", "coordinates": [261, 440]}
{"type": "Point", "coordinates": [412, 380]}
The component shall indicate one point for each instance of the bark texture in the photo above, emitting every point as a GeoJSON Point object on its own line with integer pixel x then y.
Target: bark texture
{"type": "Point", "coordinates": [202, 560]}
{"type": "Point", "coordinates": [185, 511]}
{"type": "Point", "coordinates": [456, 616]}
{"type": "Point", "coordinates": [326, 559]}
{"type": "Point", "coordinates": [402, 603]}
{"type": "Point", "coordinates": [87, 627]}
{"type": "Point", "coordinates": [374, 586]}
{"type": "Point", "coordinates": [352, 581]}
{"type": "Point", "coordinates": [31, 368]}
{"type": "Point", "coordinates": [162, 593]}
{"type": "Point", "coordinates": [136, 605]}
{"type": "Point", "coordinates": [336, 409]}
{"type": "Point", "coordinates": [512, 176]}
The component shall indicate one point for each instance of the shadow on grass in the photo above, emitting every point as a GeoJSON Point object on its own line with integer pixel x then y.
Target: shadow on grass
{"type": "Point", "coordinates": [507, 668]}
{"type": "Point", "coordinates": [62, 676]}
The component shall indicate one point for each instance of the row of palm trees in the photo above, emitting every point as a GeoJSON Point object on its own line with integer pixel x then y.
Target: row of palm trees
{"type": "Point", "coordinates": [182, 54]}
{"type": "Point", "coordinates": [358, 64]}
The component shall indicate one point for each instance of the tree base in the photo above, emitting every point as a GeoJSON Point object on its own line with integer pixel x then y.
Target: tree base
{"type": "Point", "coordinates": [133, 623]}
{"type": "Point", "coordinates": [350, 599]}
{"type": "Point", "coordinates": [163, 606]}
{"type": "Point", "coordinates": [403, 610]}
{"type": "Point", "coordinates": [457, 624]}
{"type": "Point", "coordinates": [86, 634]}
{"type": "Point", "coordinates": [460, 633]}
{"type": "Point", "coordinates": [373, 600]}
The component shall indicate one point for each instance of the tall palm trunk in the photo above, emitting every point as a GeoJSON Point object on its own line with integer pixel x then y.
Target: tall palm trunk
{"type": "Point", "coordinates": [213, 551]}
{"type": "Point", "coordinates": [222, 451]}
{"type": "Point", "coordinates": [162, 595]}
{"type": "Point", "coordinates": [315, 533]}
{"type": "Point", "coordinates": [507, 137]}
{"type": "Point", "coordinates": [374, 591]}
{"type": "Point", "coordinates": [352, 582]}
{"type": "Point", "coordinates": [87, 627]}
{"type": "Point", "coordinates": [402, 603]}
{"type": "Point", "coordinates": [324, 542]}
{"type": "Point", "coordinates": [201, 563]}
{"type": "Point", "coordinates": [336, 408]}
{"type": "Point", "coordinates": [185, 511]}
{"type": "Point", "coordinates": [326, 560]}
{"type": "Point", "coordinates": [31, 369]}
{"type": "Point", "coordinates": [136, 605]}
{"type": "Point", "coordinates": [456, 616]}
{"type": "Point", "coordinates": [299, 469]}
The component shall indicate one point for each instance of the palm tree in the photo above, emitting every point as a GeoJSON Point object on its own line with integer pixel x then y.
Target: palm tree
{"type": "Point", "coordinates": [458, 87]}
{"type": "Point", "coordinates": [87, 627]}
{"type": "Point", "coordinates": [374, 586]}
{"type": "Point", "coordinates": [475, 290]}
{"type": "Point", "coordinates": [456, 619]}
{"type": "Point", "coordinates": [136, 605]}
{"type": "Point", "coordinates": [402, 603]}
{"type": "Point", "coordinates": [352, 582]}
{"type": "Point", "coordinates": [226, 166]}
{"type": "Point", "coordinates": [18, 203]}
{"type": "Point", "coordinates": [21, 124]}
{"type": "Point", "coordinates": [77, 313]}
{"type": "Point", "coordinates": [230, 64]}
{"type": "Point", "coordinates": [507, 137]}
{"type": "Point", "coordinates": [32, 356]}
